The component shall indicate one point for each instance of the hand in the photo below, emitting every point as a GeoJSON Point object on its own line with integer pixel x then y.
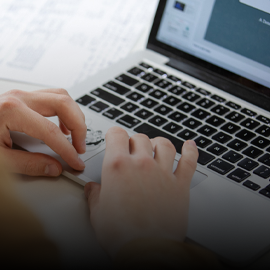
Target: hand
{"type": "Point", "coordinates": [24, 112]}
{"type": "Point", "coordinates": [140, 196]}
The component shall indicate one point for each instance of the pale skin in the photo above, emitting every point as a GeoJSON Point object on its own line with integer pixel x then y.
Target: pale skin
{"type": "Point", "coordinates": [140, 195]}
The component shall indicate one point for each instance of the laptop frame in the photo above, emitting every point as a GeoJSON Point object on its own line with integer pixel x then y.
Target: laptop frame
{"type": "Point", "coordinates": [223, 79]}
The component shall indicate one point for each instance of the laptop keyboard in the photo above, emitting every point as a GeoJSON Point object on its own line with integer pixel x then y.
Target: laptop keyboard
{"type": "Point", "coordinates": [232, 141]}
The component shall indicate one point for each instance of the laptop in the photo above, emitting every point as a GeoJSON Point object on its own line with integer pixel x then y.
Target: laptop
{"type": "Point", "coordinates": [205, 75]}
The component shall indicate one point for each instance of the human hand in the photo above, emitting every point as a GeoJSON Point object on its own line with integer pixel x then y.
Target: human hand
{"type": "Point", "coordinates": [140, 196]}
{"type": "Point", "coordinates": [25, 112]}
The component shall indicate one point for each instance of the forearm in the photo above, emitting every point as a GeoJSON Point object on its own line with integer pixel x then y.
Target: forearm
{"type": "Point", "coordinates": [164, 254]}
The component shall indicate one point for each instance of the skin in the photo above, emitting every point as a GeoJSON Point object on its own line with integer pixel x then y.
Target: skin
{"type": "Point", "coordinates": [25, 112]}
{"type": "Point", "coordinates": [140, 196]}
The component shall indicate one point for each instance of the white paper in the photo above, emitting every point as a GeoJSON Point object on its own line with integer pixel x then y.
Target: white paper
{"type": "Point", "coordinates": [61, 42]}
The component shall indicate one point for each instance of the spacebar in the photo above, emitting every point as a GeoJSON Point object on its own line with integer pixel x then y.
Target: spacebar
{"type": "Point", "coordinates": [152, 132]}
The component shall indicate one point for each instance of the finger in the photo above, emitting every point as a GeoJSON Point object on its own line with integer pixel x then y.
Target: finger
{"type": "Point", "coordinates": [140, 144]}
{"type": "Point", "coordinates": [50, 103]}
{"type": "Point", "coordinates": [5, 139]}
{"type": "Point", "coordinates": [92, 191]}
{"type": "Point", "coordinates": [33, 164]}
{"type": "Point", "coordinates": [164, 153]}
{"type": "Point", "coordinates": [23, 119]}
{"type": "Point", "coordinates": [117, 142]}
{"type": "Point", "coordinates": [188, 162]}
{"type": "Point", "coordinates": [63, 128]}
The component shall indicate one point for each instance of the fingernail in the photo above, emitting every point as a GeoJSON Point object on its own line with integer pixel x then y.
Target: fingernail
{"type": "Point", "coordinates": [190, 142]}
{"type": "Point", "coordinates": [81, 162]}
{"type": "Point", "coordinates": [84, 146]}
{"type": "Point", "coordinates": [52, 170]}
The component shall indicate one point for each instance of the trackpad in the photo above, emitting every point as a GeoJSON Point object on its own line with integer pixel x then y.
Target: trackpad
{"type": "Point", "coordinates": [93, 168]}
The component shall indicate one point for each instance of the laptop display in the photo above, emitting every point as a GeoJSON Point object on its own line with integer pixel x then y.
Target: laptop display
{"type": "Point", "coordinates": [232, 35]}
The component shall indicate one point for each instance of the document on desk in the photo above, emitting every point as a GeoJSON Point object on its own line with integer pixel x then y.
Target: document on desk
{"type": "Point", "coordinates": [59, 43]}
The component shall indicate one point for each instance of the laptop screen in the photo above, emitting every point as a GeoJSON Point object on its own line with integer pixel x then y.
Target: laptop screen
{"type": "Point", "coordinates": [231, 34]}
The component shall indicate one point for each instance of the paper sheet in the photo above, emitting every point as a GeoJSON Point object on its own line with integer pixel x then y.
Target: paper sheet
{"type": "Point", "coordinates": [61, 42]}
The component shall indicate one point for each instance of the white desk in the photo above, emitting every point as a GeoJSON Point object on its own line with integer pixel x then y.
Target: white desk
{"type": "Point", "coordinates": [62, 208]}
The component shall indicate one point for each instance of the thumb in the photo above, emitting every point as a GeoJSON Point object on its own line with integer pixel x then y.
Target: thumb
{"type": "Point", "coordinates": [33, 164]}
{"type": "Point", "coordinates": [188, 162]}
{"type": "Point", "coordinates": [92, 191]}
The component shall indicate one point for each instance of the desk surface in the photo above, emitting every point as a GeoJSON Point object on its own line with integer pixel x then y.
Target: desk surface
{"type": "Point", "coordinates": [62, 208]}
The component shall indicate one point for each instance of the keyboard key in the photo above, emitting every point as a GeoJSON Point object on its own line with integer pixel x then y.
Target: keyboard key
{"type": "Point", "coordinates": [129, 107]}
{"type": "Point", "coordinates": [204, 158]}
{"type": "Point", "coordinates": [192, 123]}
{"type": "Point", "coordinates": [251, 185]}
{"type": "Point", "coordinates": [245, 135]}
{"type": "Point", "coordinates": [135, 96]}
{"type": "Point", "coordinates": [107, 96]}
{"type": "Point", "coordinates": [157, 94]}
{"type": "Point", "coordinates": [233, 105]}
{"type": "Point", "coordinates": [186, 107]}
{"type": "Point", "coordinates": [205, 103]}
{"type": "Point", "coordinates": [232, 156]}
{"type": "Point", "coordinates": [215, 121]}
{"type": "Point", "coordinates": [85, 100]}
{"type": "Point", "coordinates": [265, 159]}
{"type": "Point", "coordinates": [265, 192]}
{"type": "Point", "coordinates": [263, 172]}
{"type": "Point", "coordinates": [189, 85]}
{"type": "Point", "coordinates": [237, 145]}
{"type": "Point", "coordinates": [217, 149]}
{"type": "Point", "coordinates": [163, 84]}
{"type": "Point", "coordinates": [171, 100]}
{"type": "Point", "coordinates": [222, 137]}
{"type": "Point", "coordinates": [264, 130]}
{"type": "Point", "coordinates": [230, 128]}
{"type": "Point", "coordinates": [248, 164]}
{"type": "Point", "coordinates": [126, 80]}
{"type": "Point", "coordinates": [163, 110]}
{"type": "Point", "coordinates": [99, 106]}
{"type": "Point", "coordinates": [174, 79]}
{"type": "Point", "coordinates": [128, 121]}
{"type": "Point", "coordinates": [187, 134]}
{"type": "Point", "coordinates": [172, 128]}
{"type": "Point", "coordinates": [200, 114]}
{"type": "Point", "coordinates": [263, 119]}
{"type": "Point", "coordinates": [239, 175]}
{"type": "Point", "coordinates": [260, 142]}
{"type": "Point", "coordinates": [252, 152]}
{"type": "Point", "coordinates": [248, 112]}
{"type": "Point", "coordinates": [177, 116]}
{"type": "Point", "coordinates": [191, 96]}
{"type": "Point", "coordinates": [268, 149]}
{"type": "Point", "coordinates": [144, 114]}
{"type": "Point", "coordinates": [149, 103]}
{"type": "Point", "coordinates": [218, 98]}
{"type": "Point", "coordinates": [203, 92]}
{"type": "Point", "coordinates": [152, 132]}
{"type": "Point", "coordinates": [117, 88]}
{"type": "Point", "coordinates": [144, 87]}
{"type": "Point", "coordinates": [112, 113]}
{"type": "Point", "coordinates": [146, 66]}
{"type": "Point", "coordinates": [250, 123]}
{"type": "Point", "coordinates": [149, 77]}
{"type": "Point", "coordinates": [158, 120]}
{"type": "Point", "coordinates": [160, 72]}
{"type": "Point", "coordinates": [177, 90]}
{"type": "Point", "coordinates": [221, 166]}
{"type": "Point", "coordinates": [136, 71]}
{"type": "Point", "coordinates": [220, 110]}
{"type": "Point", "coordinates": [202, 142]}
{"type": "Point", "coordinates": [207, 130]}
{"type": "Point", "coordinates": [235, 117]}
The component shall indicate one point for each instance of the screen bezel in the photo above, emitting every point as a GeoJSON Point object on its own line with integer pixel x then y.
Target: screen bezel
{"type": "Point", "coordinates": [223, 79]}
